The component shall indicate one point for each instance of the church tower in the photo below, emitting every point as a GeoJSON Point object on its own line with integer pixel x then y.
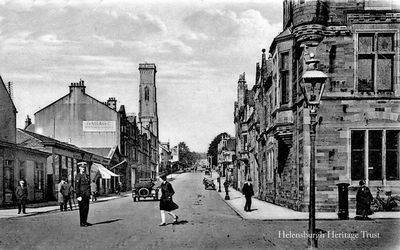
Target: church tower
{"type": "Point", "coordinates": [147, 97]}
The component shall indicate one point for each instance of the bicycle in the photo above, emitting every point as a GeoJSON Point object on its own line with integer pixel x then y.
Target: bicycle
{"type": "Point", "coordinates": [383, 204]}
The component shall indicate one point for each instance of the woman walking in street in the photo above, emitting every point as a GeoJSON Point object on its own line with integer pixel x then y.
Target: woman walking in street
{"type": "Point", "coordinates": [166, 203]}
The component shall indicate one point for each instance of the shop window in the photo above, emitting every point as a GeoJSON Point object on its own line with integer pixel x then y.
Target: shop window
{"type": "Point", "coordinates": [382, 150]}
{"type": "Point", "coordinates": [375, 62]}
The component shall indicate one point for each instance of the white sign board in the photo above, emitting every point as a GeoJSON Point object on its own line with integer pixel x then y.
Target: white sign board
{"type": "Point", "coordinates": [99, 126]}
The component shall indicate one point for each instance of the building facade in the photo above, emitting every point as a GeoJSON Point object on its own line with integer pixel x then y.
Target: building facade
{"type": "Point", "coordinates": [94, 126]}
{"type": "Point", "coordinates": [18, 162]}
{"type": "Point", "coordinates": [357, 44]}
{"type": "Point", "coordinates": [148, 116]}
{"type": "Point", "coordinates": [226, 156]}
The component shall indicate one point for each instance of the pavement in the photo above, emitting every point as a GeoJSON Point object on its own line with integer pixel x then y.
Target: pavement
{"type": "Point", "coordinates": [40, 208]}
{"type": "Point", "coordinates": [262, 210]}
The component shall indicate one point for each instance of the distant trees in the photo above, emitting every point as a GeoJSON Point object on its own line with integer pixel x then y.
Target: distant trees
{"type": "Point", "coordinates": [213, 148]}
{"type": "Point", "coordinates": [186, 156]}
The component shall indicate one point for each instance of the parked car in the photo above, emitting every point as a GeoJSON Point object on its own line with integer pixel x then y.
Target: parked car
{"type": "Point", "coordinates": [208, 183]}
{"type": "Point", "coordinates": [144, 189]}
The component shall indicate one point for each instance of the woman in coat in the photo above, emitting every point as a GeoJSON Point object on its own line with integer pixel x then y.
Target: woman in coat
{"type": "Point", "coordinates": [21, 193]}
{"type": "Point", "coordinates": [363, 199]}
{"type": "Point", "coordinates": [166, 203]}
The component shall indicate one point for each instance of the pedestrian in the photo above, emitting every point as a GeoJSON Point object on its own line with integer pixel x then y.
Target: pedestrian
{"type": "Point", "coordinates": [93, 190]}
{"type": "Point", "coordinates": [60, 195]}
{"type": "Point", "coordinates": [166, 203]}
{"type": "Point", "coordinates": [247, 191]}
{"type": "Point", "coordinates": [83, 193]}
{"type": "Point", "coordinates": [119, 188]}
{"type": "Point", "coordinates": [67, 192]}
{"type": "Point", "coordinates": [21, 192]}
{"type": "Point", "coordinates": [363, 199]}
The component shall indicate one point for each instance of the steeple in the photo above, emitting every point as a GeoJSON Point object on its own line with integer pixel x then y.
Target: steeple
{"type": "Point", "coordinates": [147, 97]}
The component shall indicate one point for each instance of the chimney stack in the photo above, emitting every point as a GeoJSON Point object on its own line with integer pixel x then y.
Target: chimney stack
{"type": "Point", "coordinates": [28, 121]}
{"type": "Point", "coordinates": [77, 85]}
{"type": "Point", "coordinates": [112, 103]}
{"type": "Point", "coordinates": [10, 90]}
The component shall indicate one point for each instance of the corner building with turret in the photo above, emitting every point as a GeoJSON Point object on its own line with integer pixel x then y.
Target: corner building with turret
{"type": "Point", "coordinates": [358, 122]}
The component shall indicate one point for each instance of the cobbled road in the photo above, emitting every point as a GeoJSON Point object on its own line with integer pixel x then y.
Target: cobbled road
{"type": "Point", "coordinates": [206, 222]}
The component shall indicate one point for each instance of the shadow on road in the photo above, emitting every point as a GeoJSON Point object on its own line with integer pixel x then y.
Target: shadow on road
{"type": "Point", "coordinates": [181, 222]}
{"type": "Point", "coordinates": [105, 222]}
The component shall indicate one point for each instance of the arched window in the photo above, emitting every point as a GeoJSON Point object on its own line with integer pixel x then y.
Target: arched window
{"type": "Point", "coordinates": [146, 93]}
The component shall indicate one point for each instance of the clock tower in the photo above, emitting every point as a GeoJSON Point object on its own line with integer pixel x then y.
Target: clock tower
{"type": "Point", "coordinates": [147, 97]}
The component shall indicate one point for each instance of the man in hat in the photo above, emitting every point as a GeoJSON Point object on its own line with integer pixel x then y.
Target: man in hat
{"type": "Point", "coordinates": [83, 193]}
{"type": "Point", "coordinates": [247, 190]}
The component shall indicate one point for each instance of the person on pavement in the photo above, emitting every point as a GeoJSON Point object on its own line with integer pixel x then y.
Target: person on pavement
{"type": "Point", "coordinates": [93, 190]}
{"type": "Point", "coordinates": [67, 192]}
{"type": "Point", "coordinates": [60, 195]}
{"type": "Point", "coordinates": [248, 192]}
{"type": "Point", "coordinates": [363, 199]}
{"type": "Point", "coordinates": [83, 193]}
{"type": "Point", "coordinates": [21, 192]}
{"type": "Point", "coordinates": [166, 203]}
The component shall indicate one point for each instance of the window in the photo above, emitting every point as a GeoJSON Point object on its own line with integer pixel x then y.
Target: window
{"type": "Point", "coordinates": [38, 177]}
{"type": "Point", "coordinates": [381, 148]}
{"type": "Point", "coordinates": [270, 165]}
{"type": "Point", "coordinates": [8, 176]}
{"type": "Point", "coordinates": [146, 93]}
{"type": "Point", "coordinates": [284, 73]}
{"type": "Point", "coordinates": [392, 155]}
{"type": "Point", "coordinates": [375, 62]}
{"type": "Point", "coordinates": [22, 170]}
{"type": "Point", "coordinates": [357, 154]}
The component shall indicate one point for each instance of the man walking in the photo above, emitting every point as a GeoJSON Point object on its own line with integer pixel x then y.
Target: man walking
{"type": "Point", "coordinates": [83, 193]}
{"type": "Point", "coordinates": [21, 193]}
{"type": "Point", "coordinates": [247, 190]}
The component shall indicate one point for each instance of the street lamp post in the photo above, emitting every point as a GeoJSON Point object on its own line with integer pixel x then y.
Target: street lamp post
{"type": "Point", "coordinates": [312, 88]}
{"type": "Point", "coordinates": [219, 179]}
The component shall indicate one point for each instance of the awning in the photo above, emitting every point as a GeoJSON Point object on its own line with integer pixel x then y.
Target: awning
{"type": "Point", "coordinates": [104, 172]}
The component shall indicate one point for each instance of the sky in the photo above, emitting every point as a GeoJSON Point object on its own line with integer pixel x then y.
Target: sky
{"type": "Point", "coordinates": [199, 47]}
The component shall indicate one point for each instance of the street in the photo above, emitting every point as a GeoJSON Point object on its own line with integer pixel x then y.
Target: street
{"type": "Point", "coordinates": [207, 222]}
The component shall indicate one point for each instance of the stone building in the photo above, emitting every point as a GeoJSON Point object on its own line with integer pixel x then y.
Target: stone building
{"type": "Point", "coordinates": [18, 162]}
{"type": "Point", "coordinates": [62, 161]}
{"type": "Point", "coordinates": [165, 157]}
{"type": "Point", "coordinates": [148, 116]}
{"type": "Point", "coordinates": [97, 127]}
{"type": "Point", "coordinates": [226, 156]}
{"type": "Point", "coordinates": [357, 44]}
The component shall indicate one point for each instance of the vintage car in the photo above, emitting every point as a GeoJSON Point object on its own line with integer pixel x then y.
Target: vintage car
{"type": "Point", "coordinates": [144, 189]}
{"type": "Point", "coordinates": [208, 183]}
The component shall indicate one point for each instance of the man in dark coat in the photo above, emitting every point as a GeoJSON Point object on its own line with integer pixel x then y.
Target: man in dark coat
{"type": "Point", "coordinates": [166, 203]}
{"type": "Point", "coordinates": [21, 192]}
{"type": "Point", "coordinates": [83, 193]}
{"type": "Point", "coordinates": [67, 192]}
{"type": "Point", "coordinates": [363, 199]}
{"type": "Point", "coordinates": [247, 191]}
